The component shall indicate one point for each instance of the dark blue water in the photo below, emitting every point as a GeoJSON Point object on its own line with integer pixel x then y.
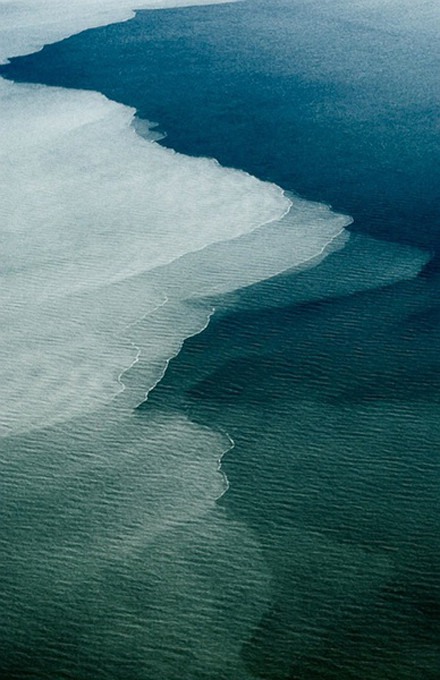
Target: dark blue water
{"type": "Point", "coordinates": [332, 403]}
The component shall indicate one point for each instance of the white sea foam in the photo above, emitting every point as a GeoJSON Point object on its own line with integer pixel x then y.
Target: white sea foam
{"type": "Point", "coordinates": [88, 204]}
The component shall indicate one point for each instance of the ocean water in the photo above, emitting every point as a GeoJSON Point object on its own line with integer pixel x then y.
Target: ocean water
{"type": "Point", "coordinates": [271, 509]}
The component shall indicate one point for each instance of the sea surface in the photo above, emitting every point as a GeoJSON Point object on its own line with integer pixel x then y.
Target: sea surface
{"type": "Point", "coordinates": [220, 343]}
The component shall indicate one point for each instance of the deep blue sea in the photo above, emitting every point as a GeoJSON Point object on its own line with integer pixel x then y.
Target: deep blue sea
{"type": "Point", "coordinates": [321, 561]}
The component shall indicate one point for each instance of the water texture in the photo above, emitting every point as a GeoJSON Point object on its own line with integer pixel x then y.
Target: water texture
{"type": "Point", "coordinates": [296, 344]}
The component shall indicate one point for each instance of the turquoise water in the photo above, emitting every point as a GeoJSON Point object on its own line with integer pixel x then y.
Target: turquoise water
{"type": "Point", "coordinates": [125, 553]}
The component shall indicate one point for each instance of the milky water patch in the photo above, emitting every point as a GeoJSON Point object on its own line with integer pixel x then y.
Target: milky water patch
{"type": "Point", "coordinates": [96, 191]}
{"type": "Point", "coordinates": [88, 203]}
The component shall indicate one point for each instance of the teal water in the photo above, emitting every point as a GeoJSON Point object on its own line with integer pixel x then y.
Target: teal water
{"type": "Point", "coordinates": [321, 560]}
